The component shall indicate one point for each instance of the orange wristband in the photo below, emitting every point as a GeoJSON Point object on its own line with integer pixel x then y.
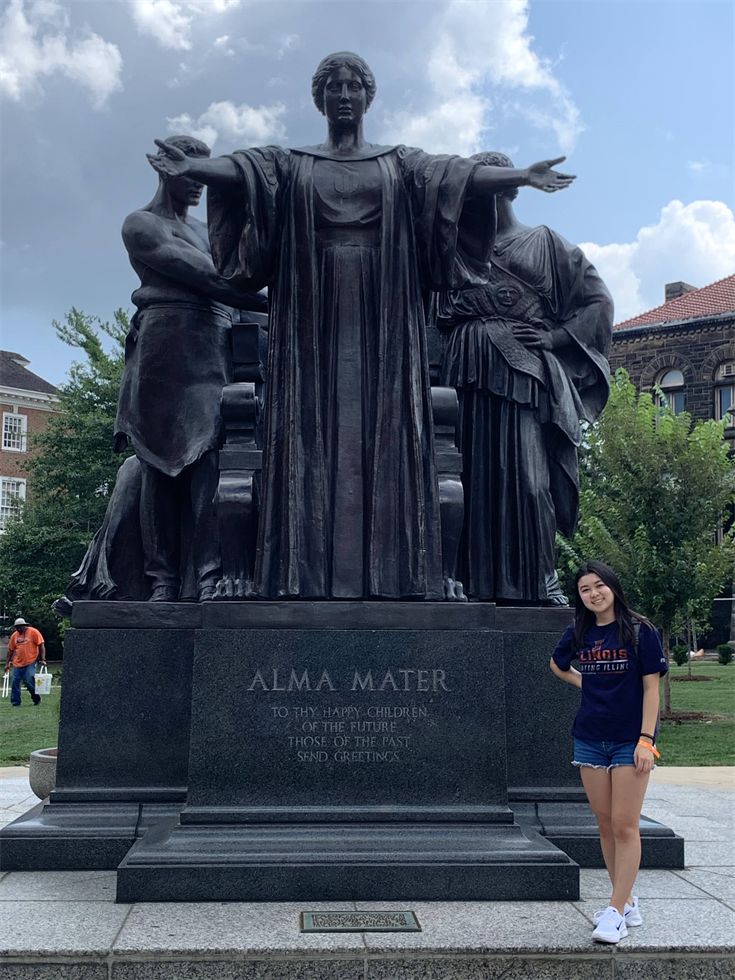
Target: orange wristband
{"type": "Point", "coordinates": [647, 745]}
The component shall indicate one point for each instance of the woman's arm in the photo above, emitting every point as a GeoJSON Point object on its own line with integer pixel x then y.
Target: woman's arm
{"type": "Point", "coordinates": [651, 703]}
{"type": "Point", "coordinates": [571, 676]}
{"type": "Point", "coordinates": [173, 162]}
{"type": "Point", "coordinates": [488, 180]}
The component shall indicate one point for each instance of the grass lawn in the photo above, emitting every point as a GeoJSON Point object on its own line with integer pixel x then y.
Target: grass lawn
{"type": "Point", "coordinates": [701, 743]}
{"type": "Point", "coordinates": [24, 729]}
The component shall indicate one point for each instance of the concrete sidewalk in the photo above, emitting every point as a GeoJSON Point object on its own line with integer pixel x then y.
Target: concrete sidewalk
{"type": "Point", "coordinates": [72, 928]}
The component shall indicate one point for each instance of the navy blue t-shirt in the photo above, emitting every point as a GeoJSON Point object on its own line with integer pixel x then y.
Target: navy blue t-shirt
{"type": "Point", "coordinates": [612, 680]}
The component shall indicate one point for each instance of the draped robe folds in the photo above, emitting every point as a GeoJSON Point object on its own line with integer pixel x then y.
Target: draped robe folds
{"type": "Point", "coordinates": [520, 410]}
{"type": "Point", "coordinates": [263, 232]}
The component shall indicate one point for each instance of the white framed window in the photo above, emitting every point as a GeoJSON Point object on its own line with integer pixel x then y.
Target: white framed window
{"type": "Point", "coordinates": [15, 428]}
{"type": "Point", "coordinates": [671, 383]}
{"type": "Point", "coordinates": [12, 492]}
{"type": "Point", "coordinates": [725, 391]}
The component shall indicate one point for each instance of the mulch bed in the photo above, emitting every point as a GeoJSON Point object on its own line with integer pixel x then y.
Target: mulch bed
{"type": "Point", "coordinates": [680, 716]}
{"type": "Point", "coordinates": [681, 680]}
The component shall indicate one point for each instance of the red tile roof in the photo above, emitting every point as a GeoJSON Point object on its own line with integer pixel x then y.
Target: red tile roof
{"type": "Point", "coordinates": [14, 374]}
{"type": "Point", "coordinates": [718, 297]}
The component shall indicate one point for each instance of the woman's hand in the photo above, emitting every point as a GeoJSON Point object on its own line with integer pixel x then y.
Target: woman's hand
{"type": "Point", "coordinates": [543, 178]}
{"type": "Point", "coordinates": [643, 758]}
{"type": "Point", "coordinates": [172, 162]}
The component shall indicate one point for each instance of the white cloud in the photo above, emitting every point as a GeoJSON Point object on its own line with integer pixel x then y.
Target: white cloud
{"type": "Point", "coordinates": [288, 43]}
{"type": "Point", "coordinates": [223, 44]}
{"type": "Point", "coordinates": [243, 124]}
{"type": "Point", "coordinates": [694, 243]}
{"type": "Point", "coordinates": [170, 23]}
{"type": "Point", "coordinates": [481, 44]}
{"type": "Point", "coordinates": [704, 168]}
{"type": "Point", "coordinates": [35, 45]}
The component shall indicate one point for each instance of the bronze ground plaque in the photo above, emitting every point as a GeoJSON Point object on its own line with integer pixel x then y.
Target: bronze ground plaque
{"type": "Point", "coordinates": [359, 922]}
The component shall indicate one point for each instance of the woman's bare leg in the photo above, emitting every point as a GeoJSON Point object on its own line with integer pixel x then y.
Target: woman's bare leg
{"type": "Point", "coordinates": [598, 787]}
{"type": "Point", "coordinates": [628, 790]}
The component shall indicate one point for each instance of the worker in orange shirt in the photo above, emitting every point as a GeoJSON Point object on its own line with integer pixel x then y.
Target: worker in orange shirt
{"type": "Point", "coordinates": [25, 647]}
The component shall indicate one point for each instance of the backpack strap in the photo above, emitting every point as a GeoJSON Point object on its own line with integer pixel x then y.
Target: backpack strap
{"type": "Point", "coordinates": [636, 635]}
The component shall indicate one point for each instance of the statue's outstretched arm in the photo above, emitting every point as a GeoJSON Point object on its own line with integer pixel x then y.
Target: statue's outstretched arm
{"type": "Point", "coordinates": [173, 162]}
{"type": "Point", "coordinates": [488, 180]}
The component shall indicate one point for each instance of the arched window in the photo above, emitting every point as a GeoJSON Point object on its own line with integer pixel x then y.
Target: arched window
{"type": "Point", "coordinates": [725, 391]}
{"type": "Point", "coordinates": [671, 383]}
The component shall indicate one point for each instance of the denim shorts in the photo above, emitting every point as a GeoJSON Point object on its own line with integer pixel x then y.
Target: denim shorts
{"type": "Point", "coordinates": [603, 755]}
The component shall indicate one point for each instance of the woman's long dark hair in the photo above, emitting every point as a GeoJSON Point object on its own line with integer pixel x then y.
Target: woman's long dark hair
{"type": "Point", "coordinates": [625, 617]}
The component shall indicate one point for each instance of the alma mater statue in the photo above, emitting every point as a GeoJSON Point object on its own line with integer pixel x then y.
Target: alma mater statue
{"type": "Point", "coordinates": [349, 236]}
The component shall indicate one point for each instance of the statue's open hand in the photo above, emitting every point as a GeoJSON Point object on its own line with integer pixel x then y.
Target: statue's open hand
{"type": "Point", "coordinates": [533, 338]}
{"type": "Point", "coordinates": [543, 178]}
{"type": "Point", "coordinates": [171, 162]}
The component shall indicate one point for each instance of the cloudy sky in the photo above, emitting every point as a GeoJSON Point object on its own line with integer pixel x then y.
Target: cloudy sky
{"type": "Point", "coordinates": [638, 95]}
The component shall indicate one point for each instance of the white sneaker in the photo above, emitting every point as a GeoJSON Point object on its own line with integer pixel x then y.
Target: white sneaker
{"type": "Point", "coordinates": [611, 928]}
{"type": "Point", "coordinates": [632, 914]}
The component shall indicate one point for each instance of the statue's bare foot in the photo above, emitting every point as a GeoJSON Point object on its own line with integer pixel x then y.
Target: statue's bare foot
{"type": "Point", "coordinates": [454, 591]}
{"type": "Point", "coordinates": [554, 594]}
{"type": "Point", "coordinates": [558, 599]}
{"type": "Point", "coordinates": [62, 606]}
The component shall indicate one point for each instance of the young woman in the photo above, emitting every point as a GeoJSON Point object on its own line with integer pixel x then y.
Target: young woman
{"type": "Point", "coordinates": [620, 661]}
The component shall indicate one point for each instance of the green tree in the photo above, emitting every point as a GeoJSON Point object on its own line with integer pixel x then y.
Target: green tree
{"type": "Point", "coordinates": [72, 473]}
{"type": "Point", "coordinates": [654, 492]}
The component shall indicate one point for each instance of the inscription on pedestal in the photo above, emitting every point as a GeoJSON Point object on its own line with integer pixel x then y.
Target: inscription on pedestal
{"type": "Point", "coordinates": [340, 719]}
{"type": "Point", "coordinates": [354, 732]}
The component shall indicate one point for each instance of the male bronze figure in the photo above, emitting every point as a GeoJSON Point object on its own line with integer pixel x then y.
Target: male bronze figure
{"type": "Point", "coordinates": [177, 362]}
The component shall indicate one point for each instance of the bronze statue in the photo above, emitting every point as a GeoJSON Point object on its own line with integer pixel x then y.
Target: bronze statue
{"type": "Point", "coordinates": [527, 353]}
{"type": "Point", "coordinates": [348, 235]}
{"type": "Point", "coordinates": [177, 361]}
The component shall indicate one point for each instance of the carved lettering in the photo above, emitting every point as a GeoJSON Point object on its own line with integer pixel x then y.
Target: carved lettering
{"type": "Point", "coordinates": [439, 676]}
{"type": "Point", "coordinates": [388, 679]}
{"type": "Point", "coordinates": [366, 682]}
{"type": "Point", "coordinates": [325, 679]}
{"type": "Point", "coordinates": [258, 679]}
{"type": "Point", "coordinates": [297, 683]}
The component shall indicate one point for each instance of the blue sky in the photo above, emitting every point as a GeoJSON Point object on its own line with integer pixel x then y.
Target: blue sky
{"type": "Point", "coordinates": [638, 94]}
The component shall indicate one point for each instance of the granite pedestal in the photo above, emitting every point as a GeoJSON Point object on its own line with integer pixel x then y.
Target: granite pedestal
{"type": "Point", "coordinates": [348, 764]}
{"type": "Point", "coordinates": [123, 748]}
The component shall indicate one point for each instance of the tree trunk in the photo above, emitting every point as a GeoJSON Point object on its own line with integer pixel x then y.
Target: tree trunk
{"type": "Point", "coordinates": [667, 675]}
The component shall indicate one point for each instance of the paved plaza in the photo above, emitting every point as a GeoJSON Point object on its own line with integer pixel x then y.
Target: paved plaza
{"type": "Point", "coordinates": [66, 925]}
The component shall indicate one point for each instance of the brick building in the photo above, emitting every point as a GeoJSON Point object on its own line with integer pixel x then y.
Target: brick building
{"type": "Point", "coordinates": [686, 346]}
{"type": "Point", "coordinates": [27, 402]}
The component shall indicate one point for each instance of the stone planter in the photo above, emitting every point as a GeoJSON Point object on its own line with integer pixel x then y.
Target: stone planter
{"type": "Point", "coordinates": [42, 772]}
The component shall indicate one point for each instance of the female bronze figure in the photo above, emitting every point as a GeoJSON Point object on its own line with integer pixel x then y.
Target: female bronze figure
{"type": "Point", "coordinates": [348, 236]}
